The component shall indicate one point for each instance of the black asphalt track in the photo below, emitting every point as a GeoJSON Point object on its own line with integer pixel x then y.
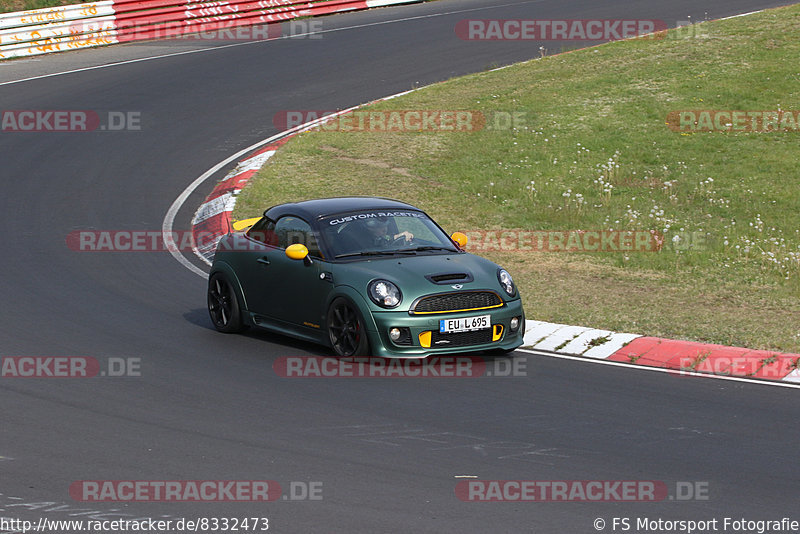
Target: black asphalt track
{"type": "Point", "coordinates": [209, 406]}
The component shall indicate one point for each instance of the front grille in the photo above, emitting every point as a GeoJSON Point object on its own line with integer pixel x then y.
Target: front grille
{"type": "Point", "coordinates": [462, 300]}
{"type": "Point", "coordinates": [461, 339]}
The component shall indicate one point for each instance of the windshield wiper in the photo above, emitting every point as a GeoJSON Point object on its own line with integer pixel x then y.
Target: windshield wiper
{"type": "Point", "coordinates": [427, 247]}
{"type": "Point", "coordinates": [373, 253]}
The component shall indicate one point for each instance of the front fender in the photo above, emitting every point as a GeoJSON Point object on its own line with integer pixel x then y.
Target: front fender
{"type": "Point", "coordinates": [354, 296]}
{"type": "Point", "coordinates": [227, 270]}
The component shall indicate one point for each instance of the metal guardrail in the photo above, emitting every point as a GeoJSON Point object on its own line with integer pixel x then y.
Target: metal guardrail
{"type": "Point", "coordinates": [108, 22]}
{"type": "Point", "coordinates": [54, 29]}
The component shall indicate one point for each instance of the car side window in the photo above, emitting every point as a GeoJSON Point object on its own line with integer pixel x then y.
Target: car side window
{"type": "Point", "coordinates": [291, 230]}
{"type": "Point", "coordinates": [264, 232]}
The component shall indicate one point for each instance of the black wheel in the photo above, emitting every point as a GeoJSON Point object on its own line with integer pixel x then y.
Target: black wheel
{"type": "Point", "coordinates": [223, 306]}
{"type": "Point", "coordinates": [346, 329]}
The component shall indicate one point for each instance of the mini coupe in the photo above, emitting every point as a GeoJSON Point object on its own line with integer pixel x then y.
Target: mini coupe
{"type": "Point", "coordinates": [363, 276]}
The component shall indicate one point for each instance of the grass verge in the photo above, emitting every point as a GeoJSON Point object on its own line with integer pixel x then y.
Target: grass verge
{"type": "Point", "coordinates": [8, 6]}
{"type": "Point", "coordinates": [592, 151]}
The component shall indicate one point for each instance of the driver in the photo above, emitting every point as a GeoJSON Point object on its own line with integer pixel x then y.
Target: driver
{"type": "Point", "coordinates": [379, 233]}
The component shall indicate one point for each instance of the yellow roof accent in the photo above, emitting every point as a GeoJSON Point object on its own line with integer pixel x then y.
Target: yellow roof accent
{"type": "Point", "coordinates": [245, 224]}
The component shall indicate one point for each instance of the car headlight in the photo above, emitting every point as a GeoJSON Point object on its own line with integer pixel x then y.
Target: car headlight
{"type": "Point", "coordinates": [506, 282]}
{"type": "Point", "coordinates": [384, 293]}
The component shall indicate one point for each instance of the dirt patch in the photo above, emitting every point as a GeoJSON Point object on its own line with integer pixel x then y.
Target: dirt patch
{"type": "Point", "coordinates": [339, 154]}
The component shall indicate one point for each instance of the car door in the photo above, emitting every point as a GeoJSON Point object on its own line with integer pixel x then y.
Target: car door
{"type": "Point", "coordinates": [252, 257]}
{"type": "Point", "coordinates": [287, 290]}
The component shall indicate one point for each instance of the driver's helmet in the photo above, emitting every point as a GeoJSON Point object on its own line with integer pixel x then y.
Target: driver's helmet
{"type": "Point", "coordinates": [377, 222]}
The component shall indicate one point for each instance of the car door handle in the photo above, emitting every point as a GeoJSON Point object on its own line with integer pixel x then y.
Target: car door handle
{"type": "Point", "coordinates": [263, 260]}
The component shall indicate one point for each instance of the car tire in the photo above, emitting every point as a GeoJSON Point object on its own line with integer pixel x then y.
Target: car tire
{"type": "Point", "coordinates": [223, 305]}
{"type": "Point", "coordinates": [346, 331]}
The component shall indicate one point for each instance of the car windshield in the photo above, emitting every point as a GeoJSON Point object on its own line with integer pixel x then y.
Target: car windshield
{"type": "Point", "coordinates": [378, 233]}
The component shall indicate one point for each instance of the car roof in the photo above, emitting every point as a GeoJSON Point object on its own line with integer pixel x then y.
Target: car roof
{"type": "Point", "coordinates": [315, 209]}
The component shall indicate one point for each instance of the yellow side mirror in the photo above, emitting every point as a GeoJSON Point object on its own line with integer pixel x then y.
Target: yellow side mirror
{"type": "Point", "coordinates": [245, 224]}
{"type": "Point", "coordinates": [460, 239]}
{"type": "Point", "coordinates": [297, 251]}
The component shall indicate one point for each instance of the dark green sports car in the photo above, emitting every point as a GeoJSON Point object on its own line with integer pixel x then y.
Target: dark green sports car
{"type": "Point", "coordinates": [364, 276]}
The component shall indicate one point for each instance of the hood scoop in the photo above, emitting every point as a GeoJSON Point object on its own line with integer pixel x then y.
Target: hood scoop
{"type": "Point", "coordinates": [450, 278]}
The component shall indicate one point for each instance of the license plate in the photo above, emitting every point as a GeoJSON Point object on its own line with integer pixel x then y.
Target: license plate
{"type": "Point", "coordinates": [465, 324]}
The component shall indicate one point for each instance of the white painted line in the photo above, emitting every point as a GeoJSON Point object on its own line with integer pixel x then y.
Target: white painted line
{"type": "Point", "coordinates": [560, 337]}
{"type": "Point", "coordinates": [398, 94]}
{"type": "Point", "coordinates": [661, 369]}
{"type": "Point", "coordinates": [742, 15]}
{"type": "Point", "coordinates": [169, 218]}
{"type": "Point", "coordinates": [617, 341]}
{"type": "Point", "coordinates": [580, 344]}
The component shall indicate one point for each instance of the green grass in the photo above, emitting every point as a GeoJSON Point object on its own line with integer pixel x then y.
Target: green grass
{"type": "Point", "coordinates": [594, 152]}
{"type": "Point", "coordinates": [7, 6]}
